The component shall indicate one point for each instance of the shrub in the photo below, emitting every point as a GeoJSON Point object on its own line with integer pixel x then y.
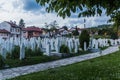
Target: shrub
{"type": "Point", "coordinates": [2, 63]}
{"type": "Point", "coordinates": [75, 32]}
{"type": "Point", "coordinates": [15, 52]}
{"type": "Point", "coordinates": [109, 42]}
{"type": "Point", "coordinates": [8, 56]}
{"type": "Point", "coordinates": [84, 37]}
{"type": "Point", "coordinates": [29, 52]}
{"type": "Point", "coordinates": [114, 35]}
{"type": "Point", "coordinates": [64, 49]}
{"type": "Point", "coordinates": [38, 59]}
{"type": "Point", "coordinates": [37, 52]}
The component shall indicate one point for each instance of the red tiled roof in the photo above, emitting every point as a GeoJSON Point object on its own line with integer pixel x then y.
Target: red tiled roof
{"type": "Point", "coordinates": [4, 31]}
{"type": "Point", "coordinates": [32, 28]}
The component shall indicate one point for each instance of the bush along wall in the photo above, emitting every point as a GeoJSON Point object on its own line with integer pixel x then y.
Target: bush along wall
{"type": "Point", "coordinates": [64, 49]}
{"type": "Point", "coordinates": [29, 52]}
{"type": "Point", "coordinates": [84, 37]}
{"type": "Point", "coordinates": [15, 52]}
{"type": "Point", "coordinates": [2, 63]}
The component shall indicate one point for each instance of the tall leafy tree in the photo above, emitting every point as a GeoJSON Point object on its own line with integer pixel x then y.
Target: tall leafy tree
{"type": "Point", "coordinates": [21, 23]}
{"type": "Point", "coordinates": [83, 7]}
{"type": "Point", "coordinates": [53, 25]}
{"type": "Point", "coordinates": [115, 18]}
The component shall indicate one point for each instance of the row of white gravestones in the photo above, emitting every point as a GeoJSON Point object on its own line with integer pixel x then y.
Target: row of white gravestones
{"type": "Point", "coordinates": [71, 43]}
{"type": "Point", "coordinates": [104, 42]}
{"type": "Point", "coordinates": [50, 44]}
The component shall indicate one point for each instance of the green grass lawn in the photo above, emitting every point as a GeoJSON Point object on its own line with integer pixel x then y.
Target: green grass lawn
{"type": "Point", "coordinates": [102, 68]}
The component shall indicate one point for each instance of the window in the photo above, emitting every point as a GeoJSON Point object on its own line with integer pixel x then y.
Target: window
{"type": "Point", "coordinates": [15, 30]}
{"type": "Point", "coordinates": [18, 30]}
{"type": "Point", "coordinates": [1, 34]}
{"type": "Point", "coordinates": [10, 29]}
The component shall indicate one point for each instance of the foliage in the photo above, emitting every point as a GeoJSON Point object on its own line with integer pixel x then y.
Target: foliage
{"type": "Point", "coordinates": [2, 63]}
{"type": "Point", "coordinates": [116, 19]}
{"type": "Point", "coordinates": [101, 36]}
{"type": "Point", "coordinates": [75, 33]}
{"type": "Point", "coordinates": [114, 35]}
{"type": "Point", "coordinates": [21, 23]}
{"type": "Point", "coordinates": [30, 60]}
{"type": "Point", "coordinates": [53, 25]}
{"type": "Point", "coordinates": [84, 37]}
{"type": "Point", "coordinates": [81, 7]}
{"type": "Point", "coordinates": [37, 52]}
{"type": "Point", "coordinates": [30, 53]}
{"type": "Point", "coordinates": [15, 52]}
{"type": "Point", "coordinates": [65, 27]}
{"type": "Point", "coordinates": [102, 68]}
{"type": "Point", "coordinates": [108, 31]}
{"type": "Point", "coordinates": [64, 49]}
{"type": "Point", "coordinates": [9, 55]}
{"type": "Point", "coordinates": [68, 35]}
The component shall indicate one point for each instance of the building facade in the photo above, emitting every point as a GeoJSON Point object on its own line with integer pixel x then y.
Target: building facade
{"type": "Point", "coordinates": [10, 27]}
{"type": "Point", "coordinates": [32, 31]}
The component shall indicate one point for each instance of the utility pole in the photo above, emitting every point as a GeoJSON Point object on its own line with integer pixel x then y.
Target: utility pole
{"type": "Point", "coordinates": [84, 23]}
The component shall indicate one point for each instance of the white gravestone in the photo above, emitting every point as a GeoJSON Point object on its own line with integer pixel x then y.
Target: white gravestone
{"type": "Point", "coordinates": [48, 50]}
{"type": "Point", "coordinates": [85, 46]}
{"type": "Point", "coordinates": [22, 51]}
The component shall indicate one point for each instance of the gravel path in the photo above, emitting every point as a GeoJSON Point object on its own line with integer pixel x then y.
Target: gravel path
{"type": "Point", "coordinates": [13, 72]}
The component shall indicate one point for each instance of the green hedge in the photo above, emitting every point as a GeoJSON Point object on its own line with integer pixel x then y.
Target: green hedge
{"type": "Point", "coordinates": [2, 63]}
{"type": "Point", "coordinates": [29, 52]}
{"type": "Point", "coordinates": [15, 52]}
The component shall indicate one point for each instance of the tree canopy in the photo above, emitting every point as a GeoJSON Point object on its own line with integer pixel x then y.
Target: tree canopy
{"type": "Point", "coordinates": [115, 18]}
{"type": "Point", "coordinates": [21, 23]}
{"type": "Point", "coordinates": [84, 8]}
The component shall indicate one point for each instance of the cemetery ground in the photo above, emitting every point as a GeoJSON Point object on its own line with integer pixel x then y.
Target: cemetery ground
{"type": "Point", "coordinates": [101, 68]}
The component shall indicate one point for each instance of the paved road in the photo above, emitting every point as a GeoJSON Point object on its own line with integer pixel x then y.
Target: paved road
{"type": "Point", "coordinates": [13, 72]}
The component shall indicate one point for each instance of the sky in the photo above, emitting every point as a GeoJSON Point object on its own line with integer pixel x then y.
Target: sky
{"type": "Point", "coordinates": [35, 15]}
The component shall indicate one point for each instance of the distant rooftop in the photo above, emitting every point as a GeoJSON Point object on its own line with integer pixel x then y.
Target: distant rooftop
{"type": "Point", "coordinates": [32, 28]}
{"type": "Point", "coordinates": [4, 31]}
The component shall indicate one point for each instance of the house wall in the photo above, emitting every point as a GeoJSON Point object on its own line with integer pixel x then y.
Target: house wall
{"type": "Point", "coordinates": [4, 35]}
{"type": "Point", "coordinates": [5, 25]}
{"type": "Point", "coordinates": [25, 34]}
{"type": "Point", "coordinates": [36, 34]}
{"type": "Point", "coordinates": [15, 32]}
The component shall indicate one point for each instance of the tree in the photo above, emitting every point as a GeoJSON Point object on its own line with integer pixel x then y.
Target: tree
{"type": "Point", "coordinates": [115, 18]}
{"type": "Point", "coordinates": [53, 25]}
{"type": "Point", "coordinates": [84, 37]}
{"type": "Point", "coordinates": [75, 32]}
{"type": "Point", "coordinates": [65, 27]}
{"type": "Point", "coordinates": [21, 23]}
{"type": "Point", "coordinates": [82, 7]}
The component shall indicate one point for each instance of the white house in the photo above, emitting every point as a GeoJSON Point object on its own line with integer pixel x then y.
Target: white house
{"type": "Point", "coordinates": [4, 34]}
{"type": "Point", "coordinates": [11, 27]}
